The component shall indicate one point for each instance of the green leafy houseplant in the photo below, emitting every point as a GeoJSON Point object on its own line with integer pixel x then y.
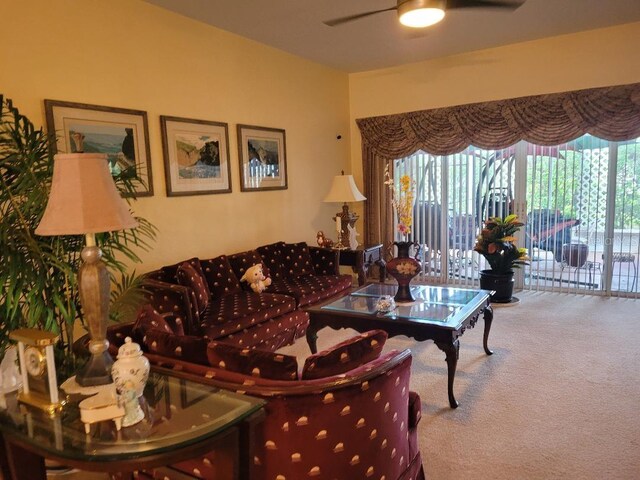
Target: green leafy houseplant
{"type": "Point", "coordinates": [496, 243]}
{"type": "Point", "coordinates": [38, 274]}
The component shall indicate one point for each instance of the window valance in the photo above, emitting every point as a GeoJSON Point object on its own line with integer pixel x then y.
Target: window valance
{"type": "Point", "coordinates": [611, 113]}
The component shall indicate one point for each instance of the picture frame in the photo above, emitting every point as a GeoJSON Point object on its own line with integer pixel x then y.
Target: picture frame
{"type": "Point", "coordinates": [120, 133]}
{"type": "Point", "coordinates": [263, 158]}
{"type": "Point", "coordinates": [196, 156]}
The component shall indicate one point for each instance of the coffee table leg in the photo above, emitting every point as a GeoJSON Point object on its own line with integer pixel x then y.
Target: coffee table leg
{"type": "Point", "coordinates": [312, 337]}
{"type": "Point", "coordinates": [451, 351]}
{"type": "Point", "coordinates": [488, 318]}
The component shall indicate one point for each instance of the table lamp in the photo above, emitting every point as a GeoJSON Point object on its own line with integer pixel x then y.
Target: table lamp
{"type": "Point", "coordinates": [344, 190]}
{"type": "Point", "coordinates": [84, 200]}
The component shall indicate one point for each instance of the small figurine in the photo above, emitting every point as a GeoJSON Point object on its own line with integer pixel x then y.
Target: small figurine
{"type": "Point", "coordinates": [132, 411]}
{"type": "Point", "coordinates": [323, 241]}
{"type": "Point", "coordinates": [385, 304]}
{"type": "Point", "coordinates": [353, 243]}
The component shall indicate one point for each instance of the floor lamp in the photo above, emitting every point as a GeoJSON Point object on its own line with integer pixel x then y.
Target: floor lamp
{"type": "Point", "coordinates": [344, 190]}
{"type": "Point", "coordinates": [84, 200]}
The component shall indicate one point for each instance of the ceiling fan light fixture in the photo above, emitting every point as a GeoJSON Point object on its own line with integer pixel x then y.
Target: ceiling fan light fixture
{"type": "Point", "coordinates": [420, 13]}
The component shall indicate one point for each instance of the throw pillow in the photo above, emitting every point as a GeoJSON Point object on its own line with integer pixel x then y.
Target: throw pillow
{"type": "Point", "coordinates": [272, 257]}
{"type": "Point", "coordinates": [220, 277]}
{"type": "Point", "coordinates": [297, 259]}
{"type": "Point", "coordinates": [254, 362]}
{"type": "Point", "coordinates": [345, 356]}
{"type": "Point", "coordinates": [241, 261]}
{"type": "Point", "coordinates": [188, 276]}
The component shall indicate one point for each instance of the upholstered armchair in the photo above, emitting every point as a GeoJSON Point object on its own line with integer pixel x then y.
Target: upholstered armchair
{"type": "Point", "coordinates": [350, 416]}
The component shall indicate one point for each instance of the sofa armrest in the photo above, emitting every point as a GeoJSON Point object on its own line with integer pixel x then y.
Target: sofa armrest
{"type": "Point", "coordinates": [325, 260]}
{"type": "Point", "coordinates": [175, 299]}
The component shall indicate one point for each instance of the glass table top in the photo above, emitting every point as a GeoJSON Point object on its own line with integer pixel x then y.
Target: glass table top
{"type": "Point", "coordinates": [177, 413]}
{"type": "Point", "coordinates": [436, 305]}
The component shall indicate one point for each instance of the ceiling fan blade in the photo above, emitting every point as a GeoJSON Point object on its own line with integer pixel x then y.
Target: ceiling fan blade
{"type": "Point", "coordinates": [484, 4]}
{"type": "Point", "coordinates": [350, 18]}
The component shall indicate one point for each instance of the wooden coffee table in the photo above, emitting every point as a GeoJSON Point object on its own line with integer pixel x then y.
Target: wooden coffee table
{"type": "Point", "coordinates": [439, 314]}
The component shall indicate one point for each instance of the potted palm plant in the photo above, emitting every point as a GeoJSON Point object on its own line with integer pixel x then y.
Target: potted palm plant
{"type": "Point", "coordinates": [497, 244]}
{"type": "Point", "coordinates": [38, 274]}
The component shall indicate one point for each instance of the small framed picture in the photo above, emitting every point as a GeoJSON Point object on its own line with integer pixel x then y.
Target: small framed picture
{"type": "Point", "coordinates": [122, 134]}
{"type": "Point", "coordinates": [263, 158]}
{"type": "Point", "coordinates": [196, 156]}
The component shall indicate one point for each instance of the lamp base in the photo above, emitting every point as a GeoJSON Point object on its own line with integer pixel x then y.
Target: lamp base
{"type": "Point", "coordinates": [97, 371]}
{"type": "Point", "coordinates": [347, 219]}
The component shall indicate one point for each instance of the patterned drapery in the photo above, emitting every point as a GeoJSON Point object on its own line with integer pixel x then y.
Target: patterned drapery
{"type": "Point", "coordinates": [611, 113]}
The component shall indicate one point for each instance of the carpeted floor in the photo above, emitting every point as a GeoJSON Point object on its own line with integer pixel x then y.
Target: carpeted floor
{"type": "Point", "coordinates": [559, 399]}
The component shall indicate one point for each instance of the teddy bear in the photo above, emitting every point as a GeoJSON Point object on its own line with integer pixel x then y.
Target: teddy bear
{"type": "Point", "coordinates": [256, 278]}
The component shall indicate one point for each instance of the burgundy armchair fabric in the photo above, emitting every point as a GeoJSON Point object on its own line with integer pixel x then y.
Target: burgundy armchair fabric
{"type": "Point", "coordinates": [357, 425]}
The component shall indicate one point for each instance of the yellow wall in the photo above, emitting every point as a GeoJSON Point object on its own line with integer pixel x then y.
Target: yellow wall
{"type": "Point", "coordinates": [125, 53]}
{"type": "Point", "coordinates": [570, 62]}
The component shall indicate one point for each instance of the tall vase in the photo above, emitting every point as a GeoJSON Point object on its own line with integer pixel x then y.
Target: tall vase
{"type": "Point", "coordinates": [403, 268]}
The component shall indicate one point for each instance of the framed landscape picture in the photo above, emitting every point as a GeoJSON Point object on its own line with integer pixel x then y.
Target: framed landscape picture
{"type": "Point", "coordinates": [122, 134]}
{"type": "Point", "coordinates": [196, 156]}
{"type": "Point", "coordinates": [263, 158]}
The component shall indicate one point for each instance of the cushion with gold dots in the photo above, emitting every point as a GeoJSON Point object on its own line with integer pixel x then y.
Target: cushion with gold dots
{"type": "Point", "coordinates": [345, 356]}
{"type": "Point", "coordinates": [297, 259]}
{"type": "Point", "coordinates": [219, 276]}
{"type": "Point", "coordinates": [254, 362]}
{"type": "Point", "coordinates": [272, 257]}
{"type": "Point", "coordinates": [188, 276]}
{"type": "Point", "coordinates": [243, 260]}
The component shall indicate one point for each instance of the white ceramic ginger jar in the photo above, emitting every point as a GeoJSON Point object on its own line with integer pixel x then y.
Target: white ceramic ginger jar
{"type": "Point", "coordinates": [131, 369]}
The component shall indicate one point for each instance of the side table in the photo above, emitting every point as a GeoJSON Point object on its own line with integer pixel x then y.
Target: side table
{"type": "Point", "coordinates": [183, 420]}
{"type": "Point", "coordinates": [361, 259]}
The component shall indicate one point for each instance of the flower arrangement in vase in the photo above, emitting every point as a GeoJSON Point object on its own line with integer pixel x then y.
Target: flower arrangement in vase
{"type": "Point", "coordinates": [403, 267]}
{"type": "Point", "coordinates": [496, 242]}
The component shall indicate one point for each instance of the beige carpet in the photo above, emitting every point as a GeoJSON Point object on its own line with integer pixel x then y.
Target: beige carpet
{"type": "Point", "coordinates": [559, 399]}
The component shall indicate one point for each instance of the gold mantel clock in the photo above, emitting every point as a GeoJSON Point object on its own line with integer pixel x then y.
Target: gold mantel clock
{"type": "Point", "coordinates": [38, 369]}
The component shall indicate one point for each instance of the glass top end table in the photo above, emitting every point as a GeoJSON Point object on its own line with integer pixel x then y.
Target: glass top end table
{"type": "Point", "coordinates": [180, 416]}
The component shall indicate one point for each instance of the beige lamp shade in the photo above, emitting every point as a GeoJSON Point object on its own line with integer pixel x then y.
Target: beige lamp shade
{"type": "Point", "coordinates": [83, 198]}
{"type": "Point", "coordinates": [344, 190]}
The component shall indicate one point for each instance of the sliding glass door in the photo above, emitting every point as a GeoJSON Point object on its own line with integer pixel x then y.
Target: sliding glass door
{"type": "Point", "coordinates": [580, 200]}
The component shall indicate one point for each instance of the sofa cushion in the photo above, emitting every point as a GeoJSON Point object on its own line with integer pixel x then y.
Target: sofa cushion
{"type": "Point", "coordinates": [345, 356]}
{"type": "Point", "coordinates": [219, 276]}
{"type": "Point", "coordinates": [243, 260]}
{"type": "Point", "coordinates": [297, 259]}
{"type": "Point", "coordinates": [254, 362]}
{"type": "Point", "coordinates": [272, 257]}
{"type": "Point", "coordinates": [310, 289]}
{"type": "Point", "coordinates": [188, 276]}
{"type": "Point", "coordinates": [170, 271]}
{"type": "Point", "coordinates": [154, 334]}
{"type": "Point", "coordinates": [240, 310]}
{"type": "Point", "coordinates": [272, 334]}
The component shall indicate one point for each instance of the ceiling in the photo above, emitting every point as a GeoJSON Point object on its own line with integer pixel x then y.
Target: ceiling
{"type": "Point", "coordinates": [379, 41]}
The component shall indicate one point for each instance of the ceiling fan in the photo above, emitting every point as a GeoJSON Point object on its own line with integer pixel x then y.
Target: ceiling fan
{"type": "Point", "coordinates": [423, 13]}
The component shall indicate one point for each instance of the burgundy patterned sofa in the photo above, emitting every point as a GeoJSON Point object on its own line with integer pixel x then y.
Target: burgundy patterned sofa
{"type": "Point", "coordinates": [348, 414]}
{"type": "Point", "coordinates": [204, 298]}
